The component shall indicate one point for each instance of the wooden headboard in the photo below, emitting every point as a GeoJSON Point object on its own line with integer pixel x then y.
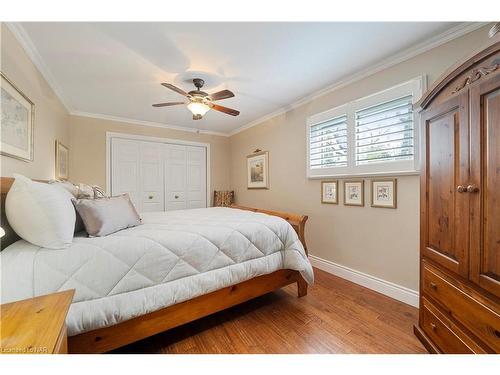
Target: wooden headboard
{"type": "Point", "coordinates": [10, 236]}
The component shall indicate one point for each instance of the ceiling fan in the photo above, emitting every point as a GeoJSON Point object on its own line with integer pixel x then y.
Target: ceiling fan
{"type": "Point", "coordinates": [199, 101]}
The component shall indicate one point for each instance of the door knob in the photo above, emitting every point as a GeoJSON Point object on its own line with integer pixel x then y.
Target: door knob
{"type": "Point", "coordinates": [461, 189]}
{"type": "Point", "coordinates": [472, 189]}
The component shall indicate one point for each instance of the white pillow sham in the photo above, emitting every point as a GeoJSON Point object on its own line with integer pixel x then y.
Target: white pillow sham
{"type": "Point", "coordinates": [40, 213]}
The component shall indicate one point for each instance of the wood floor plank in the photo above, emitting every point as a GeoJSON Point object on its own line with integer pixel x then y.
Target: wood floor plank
{"type": "Point", "coordinates": [336, 316]}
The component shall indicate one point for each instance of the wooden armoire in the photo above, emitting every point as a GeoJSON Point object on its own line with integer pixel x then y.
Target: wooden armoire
{"type": "Point", "coordinates": [460, 208]}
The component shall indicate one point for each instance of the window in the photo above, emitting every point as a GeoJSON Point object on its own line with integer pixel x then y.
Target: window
{"type": "Point", "coordinates": [369, 136]}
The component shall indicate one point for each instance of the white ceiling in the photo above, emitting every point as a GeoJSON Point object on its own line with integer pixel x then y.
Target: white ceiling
{"type": "Point", "coordinates": [115, 69]}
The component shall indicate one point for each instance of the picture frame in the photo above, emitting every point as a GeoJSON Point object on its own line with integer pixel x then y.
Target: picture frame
{"type": "Point", "coordinates": [62, 161]}
{"type": "Point", "coordinates": [258, 170]}
{"type": "Point", "coordinates": [384, 192]}
{"type": "Point", "coordinates": [17, 122]}
{"type": "Point", "coordinates": [329, 192]}
{"type": "Point", "coordinates": [354, 193]}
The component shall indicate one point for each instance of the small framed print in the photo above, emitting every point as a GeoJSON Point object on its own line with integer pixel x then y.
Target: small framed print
{"type": "Point", "coordinates": [62, 161]}
{"type": "Point", "coordinates": [354, 193]}
{"type": "Point", "coordinates": [329, 192]}
{"type": "Point", "coordinates": [258, 170]}
{"type": "Point", "coordinates": [384, 193]}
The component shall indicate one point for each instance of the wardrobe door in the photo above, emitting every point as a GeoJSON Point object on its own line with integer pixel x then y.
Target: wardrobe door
{"type": "Point", "coordinates": [445, 174]}
{"type": "Point", "coordinates": [485, 185]}
{"type": "Point", "coordinates": [175, 177]}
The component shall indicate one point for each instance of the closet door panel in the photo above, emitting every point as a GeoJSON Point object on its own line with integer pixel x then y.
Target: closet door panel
{"type": "Point", "coordinates": [196, 177]}
{"type": "Point", "coordinates": [175, 177]}
{"type": "Point", "coordinates": [125, 169]}
{"type": "Point", "coordinates": [445, 207]}
{"type": "Point", "coordinates": [151, 171]}
{"type": "Point", "coordinates": [485, 218]}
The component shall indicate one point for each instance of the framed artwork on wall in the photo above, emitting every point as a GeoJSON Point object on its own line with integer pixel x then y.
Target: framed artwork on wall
{"type": "Point", "coordinates": [354, 193]}
{"type": "Point", "coordinates": [329, 192]}
{"type": "Point", "coordinates": [62, 161]}
{"type": "Point", "coordinates": [384, 193]}
{"type": "Point", "coordinates": [258, 170]}
{"type": "Point", "coordinates": [17, 121]}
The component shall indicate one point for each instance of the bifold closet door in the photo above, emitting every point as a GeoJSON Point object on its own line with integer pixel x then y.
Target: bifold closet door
{"type": "Point", "coordinates": [185, 177]}
{"type": "Point", "coordinates": [151, 179]}
{"type": "Point", "coordinates": [137, 169]}
{"type": "Point", "coordinates": [125, 169]}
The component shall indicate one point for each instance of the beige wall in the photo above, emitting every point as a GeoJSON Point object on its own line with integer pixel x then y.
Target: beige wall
{"type": "Point", "coordinates": [51, 118]}
{"type": "Point", "coordinates": [88, 149]}
{"type": "Point", "coordinates": [380, 242]}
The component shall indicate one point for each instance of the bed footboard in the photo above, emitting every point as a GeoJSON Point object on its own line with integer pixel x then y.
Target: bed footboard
{"type": "Point", "coordinates": [298, 222]}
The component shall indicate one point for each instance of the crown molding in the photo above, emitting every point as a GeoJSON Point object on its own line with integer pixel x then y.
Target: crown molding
{"type": "Point", "coordinates": [436, 41]}
{"type": "Point", "coordinates": [145, 123]}
{"type": "Point", "coordinates": [30, 49]}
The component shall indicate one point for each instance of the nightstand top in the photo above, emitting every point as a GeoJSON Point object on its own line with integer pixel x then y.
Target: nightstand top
{"type": "Point", "coordinates": [34, 325]}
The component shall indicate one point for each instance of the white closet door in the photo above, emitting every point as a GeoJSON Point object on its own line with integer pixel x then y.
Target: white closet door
{"type": "Point", "coordinates": [125, 169]}
{"type": "Point", "coordinates": [151, 176]}
{"type": "Point", "coordinates": [196, 196]}
{"type": "Point", "coordinates": [175, 177]}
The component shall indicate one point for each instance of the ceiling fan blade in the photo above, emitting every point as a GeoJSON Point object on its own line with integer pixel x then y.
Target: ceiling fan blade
{"type": "Point", "coordinates": [167, 104]}
{"type": "Point", "coordinates": [224, 94]}
{"type": "Point", "coordinates": [176, 89]}
{"type": "Point", "coordinates": [229, 111]}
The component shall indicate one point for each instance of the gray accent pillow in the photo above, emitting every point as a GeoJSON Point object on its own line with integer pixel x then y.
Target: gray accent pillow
{"type": "Point", "coordinates": [107, 215]}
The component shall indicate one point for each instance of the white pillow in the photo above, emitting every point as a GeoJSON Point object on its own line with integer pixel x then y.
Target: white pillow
{"type": "Point", "coordinates": [40, 213]}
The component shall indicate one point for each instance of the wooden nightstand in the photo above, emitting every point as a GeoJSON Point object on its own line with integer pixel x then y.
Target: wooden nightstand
{"type": "Point", "coordinates": [36, 325]}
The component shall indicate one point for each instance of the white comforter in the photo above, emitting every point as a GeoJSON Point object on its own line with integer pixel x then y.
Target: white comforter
{"type": "Point", "coordinates": [174, 256]}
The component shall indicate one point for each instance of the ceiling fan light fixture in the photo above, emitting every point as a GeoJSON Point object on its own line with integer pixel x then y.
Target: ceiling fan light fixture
{"type": "Point", "coordinates": [198, 109]}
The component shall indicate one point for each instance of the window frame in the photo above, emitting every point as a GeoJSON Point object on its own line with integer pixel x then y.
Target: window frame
{"type": "Point", "coordinates": [414, 87]}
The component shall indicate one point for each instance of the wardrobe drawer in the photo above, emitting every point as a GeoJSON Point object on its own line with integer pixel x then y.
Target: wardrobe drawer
{"type": "Point", "coordinates": [478, 318]}
{"type": "Point", "coordinates": [439, 330]}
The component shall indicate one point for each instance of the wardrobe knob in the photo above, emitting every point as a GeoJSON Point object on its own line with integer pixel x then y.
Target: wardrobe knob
{"type": "Point", "coordinates": [433, 326]}
{"type": "Point", "coordinates": [472, 189]}
{"type": "Point", "coordinates": [176, 196]}
{"type": "Point", "coordinates": [461, 189]}
{"type": "Point", "coordinates": [433, 286]}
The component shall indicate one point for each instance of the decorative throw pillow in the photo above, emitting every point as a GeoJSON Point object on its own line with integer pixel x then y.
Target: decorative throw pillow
{"type": "Point", "coordinates": [70, 187]}
{"type": "Point", "coordinates": [107, 215]}
{"type": "Point", "coordinates": [40, 213]}
{"type": "Point", "coordinates": [74, 191]}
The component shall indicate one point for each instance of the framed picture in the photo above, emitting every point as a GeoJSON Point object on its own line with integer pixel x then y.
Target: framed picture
{"type": "Point", "coordinates": [62, 161]}
{"type": "Point", "coordinates": [354, 193]}
{"type": "Point", "coordinates": [329, 192]}
{"type": "Point", "coordinates": [384, 193]}
{"type": "Point", "coordinates": [258, 170]}
{"type": "Point", "coordinates": [17, 121]}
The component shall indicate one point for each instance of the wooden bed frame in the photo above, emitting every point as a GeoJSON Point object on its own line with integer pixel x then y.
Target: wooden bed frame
{"type": "Point", "coordinates": [105, 339]}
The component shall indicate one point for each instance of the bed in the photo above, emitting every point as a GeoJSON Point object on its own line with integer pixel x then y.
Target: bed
{"type": "Point", "coordinates": [176, 267]}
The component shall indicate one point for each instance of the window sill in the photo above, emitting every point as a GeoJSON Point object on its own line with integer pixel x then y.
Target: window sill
{"type": "Point", "coordinates": [365, 175]}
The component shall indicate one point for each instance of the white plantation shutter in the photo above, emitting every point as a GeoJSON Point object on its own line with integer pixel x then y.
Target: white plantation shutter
{"type": "Point", "coordinates": [372, 136]}
{"type": "Point", "coordinates": [328, 143]}
{"type": "Point", "coordinates": [385, 132]}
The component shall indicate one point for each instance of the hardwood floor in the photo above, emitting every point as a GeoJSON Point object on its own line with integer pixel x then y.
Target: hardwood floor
{"type": "Point", "coordinates": [336, 316]}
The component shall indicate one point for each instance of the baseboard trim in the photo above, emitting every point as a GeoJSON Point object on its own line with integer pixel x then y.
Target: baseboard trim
{"type": "Point", "coordinates": [388, 288]}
